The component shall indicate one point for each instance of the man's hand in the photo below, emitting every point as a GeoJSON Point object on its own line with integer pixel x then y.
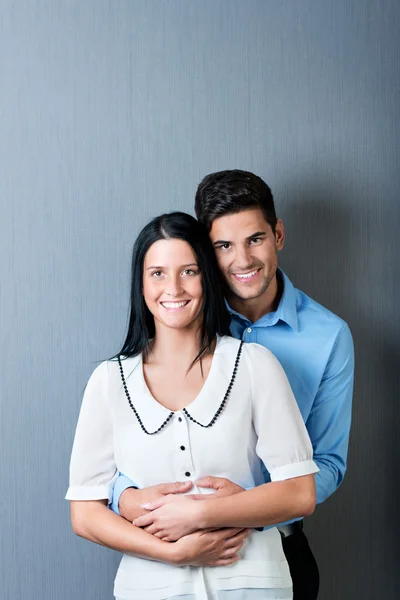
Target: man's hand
{"type": "Point", "coordinates": [222, 487]}
{"type": "Point", "coordinates": [132, 499]}
{"type": "Point", "coordinates": [171, 517]}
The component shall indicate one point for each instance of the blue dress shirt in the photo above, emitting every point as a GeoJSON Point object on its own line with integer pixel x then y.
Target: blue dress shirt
{"type": "Point", "coordinates": [315, 348]}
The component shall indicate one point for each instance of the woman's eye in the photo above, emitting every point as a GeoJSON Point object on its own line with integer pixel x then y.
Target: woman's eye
{"type": "Point", "coordinates": [224, 246]}
{"type": "Point", "coordinates": [156, 274]}
{"type": "Point", "coordinates": [189, 272]}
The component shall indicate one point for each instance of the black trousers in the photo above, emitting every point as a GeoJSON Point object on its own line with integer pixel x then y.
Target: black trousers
{"type": "Point", "coordinates": [302, 565]}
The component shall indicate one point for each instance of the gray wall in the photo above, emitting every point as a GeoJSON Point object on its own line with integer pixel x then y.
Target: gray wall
{"type": "Point", "coordinates": [111, 112]}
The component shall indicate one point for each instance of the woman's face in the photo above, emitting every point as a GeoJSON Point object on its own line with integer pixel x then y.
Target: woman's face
{"type": "Point", "coordinates": [172, 285]}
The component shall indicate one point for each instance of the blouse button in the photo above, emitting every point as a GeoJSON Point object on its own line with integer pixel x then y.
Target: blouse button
{"type": "Point", "coordinates": [183, 448]}
{"type": "Point", "coordinates": [187, 474]}
{"type": "Point", "coordinates": [180, 419]}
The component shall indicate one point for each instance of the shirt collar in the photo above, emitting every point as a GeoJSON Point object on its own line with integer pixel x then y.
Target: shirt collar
{"type": "Point", "coordinates": [203, 407]}
{"type": "Point", "coordinates": [286, 311]}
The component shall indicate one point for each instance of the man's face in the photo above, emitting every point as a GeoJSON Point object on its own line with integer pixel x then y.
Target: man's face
{"type": "Point", "coordinates": [246, 250]}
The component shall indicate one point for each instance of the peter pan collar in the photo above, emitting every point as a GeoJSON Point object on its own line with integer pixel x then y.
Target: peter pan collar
{"type": "Point", "coordinates": [202, 408]}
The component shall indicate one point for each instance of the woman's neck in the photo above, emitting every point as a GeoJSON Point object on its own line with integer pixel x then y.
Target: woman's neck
{"type": "Point", "coordinates": [174, 346]}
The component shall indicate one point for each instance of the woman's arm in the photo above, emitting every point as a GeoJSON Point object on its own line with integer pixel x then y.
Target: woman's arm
{"type": "Point", "coordinates": [93, 521]}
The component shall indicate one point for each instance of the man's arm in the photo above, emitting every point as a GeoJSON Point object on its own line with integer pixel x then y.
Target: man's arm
{"type": "Point", "coordinates": [121, 484]}
{"type": "Point", "coordinates": [329, 421]}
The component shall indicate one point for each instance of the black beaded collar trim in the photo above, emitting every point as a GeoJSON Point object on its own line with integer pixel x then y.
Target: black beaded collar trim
{"type": "Point", "coordinates": [171, 414]}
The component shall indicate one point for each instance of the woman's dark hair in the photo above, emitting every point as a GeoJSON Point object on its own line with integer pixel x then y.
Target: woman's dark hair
{"type": "Point", "coordinates": [180, 226]}
{"type": "Point", "coordinates": [229, 192]}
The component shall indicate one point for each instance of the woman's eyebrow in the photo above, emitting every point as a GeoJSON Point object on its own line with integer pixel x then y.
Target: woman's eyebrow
{"type": "Point", "coordinates": [180, 266]}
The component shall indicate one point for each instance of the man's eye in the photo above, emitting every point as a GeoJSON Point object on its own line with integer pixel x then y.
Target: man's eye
{"type": "Point", "coordinates": [255, 240]}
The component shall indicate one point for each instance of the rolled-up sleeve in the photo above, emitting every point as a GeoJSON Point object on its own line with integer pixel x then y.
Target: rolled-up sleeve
{"type": "Point", "coordinates": [283, 443]}
{"type": "Point", "coordinates": [92, 468]}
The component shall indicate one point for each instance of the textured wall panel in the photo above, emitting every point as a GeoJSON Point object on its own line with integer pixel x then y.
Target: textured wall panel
{"type": "Point", "coordinates": [111, 112]}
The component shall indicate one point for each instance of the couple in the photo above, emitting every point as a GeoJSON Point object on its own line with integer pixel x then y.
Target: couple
{"type": "Point", "coordinates": [183, 401]}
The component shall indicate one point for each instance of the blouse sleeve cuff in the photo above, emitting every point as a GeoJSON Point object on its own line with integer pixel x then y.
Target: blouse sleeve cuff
{"type": "Point", "coordinates": [100, 492]}
{"type": "Point", "coordinates": [306, 467]}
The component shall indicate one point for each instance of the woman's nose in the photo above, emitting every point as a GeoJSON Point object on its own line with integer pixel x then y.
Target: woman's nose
{"type": "Point", "coordinates": [174, 287]}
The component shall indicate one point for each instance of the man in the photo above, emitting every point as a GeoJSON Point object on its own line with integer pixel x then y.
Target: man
{"type": "Point", "coordinates": [313, 345]}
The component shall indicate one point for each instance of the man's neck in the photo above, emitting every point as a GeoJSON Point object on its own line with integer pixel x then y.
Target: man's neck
{"type": "Point", "coordinates": [255, 308]}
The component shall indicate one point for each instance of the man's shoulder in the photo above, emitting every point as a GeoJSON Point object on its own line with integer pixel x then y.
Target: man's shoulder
{"type": "Point", "coordinates": [309, 312]}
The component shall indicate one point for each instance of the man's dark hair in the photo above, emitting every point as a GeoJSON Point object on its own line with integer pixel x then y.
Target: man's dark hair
{"type": "Point", "coordinates": [229, 192]}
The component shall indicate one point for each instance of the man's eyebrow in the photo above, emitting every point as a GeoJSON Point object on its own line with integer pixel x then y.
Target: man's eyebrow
{"type": "Point", "coordinates": [249, 237]}
{"type": "Point", "coordinates": [217, 242]}
{"type": "Point", "coordinates": [256, 234]}
{"type": "Point", "coordinates": [181, 266]}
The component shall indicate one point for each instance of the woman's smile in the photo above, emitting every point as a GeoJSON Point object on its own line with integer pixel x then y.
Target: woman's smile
{"type": "Point", "coordinates": [174, 305]}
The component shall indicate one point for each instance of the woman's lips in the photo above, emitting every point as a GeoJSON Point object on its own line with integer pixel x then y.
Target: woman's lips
{"type": "Point", "coordinates": [174, 306]}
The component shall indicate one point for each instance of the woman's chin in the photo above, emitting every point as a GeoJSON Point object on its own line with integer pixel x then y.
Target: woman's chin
{"type": "Point", "coordinates": [178, 321]}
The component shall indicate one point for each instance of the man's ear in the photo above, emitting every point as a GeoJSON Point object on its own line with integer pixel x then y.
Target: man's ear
{"type": "Point", "coordinates": [279, 235]}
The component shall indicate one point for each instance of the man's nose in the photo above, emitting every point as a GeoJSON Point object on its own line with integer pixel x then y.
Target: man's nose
{"type": "Point", "coordinates": [243, 257]}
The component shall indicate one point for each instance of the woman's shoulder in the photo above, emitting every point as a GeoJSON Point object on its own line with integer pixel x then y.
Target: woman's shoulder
{"type": "Point", "coordinates": [260, 359]}
{"type": "Point", "coordinates": [111, 367]}
{"type": "Point", "coordinates": [255, 355]}
{"type": "Point", "coordinates": [123, 365]}
{"type": "Point", "coordinates": [227, 342]}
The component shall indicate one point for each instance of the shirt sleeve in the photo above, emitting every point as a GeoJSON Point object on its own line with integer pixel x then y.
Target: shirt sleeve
{"type": "Point", "coordinates": [330, 418]}
{"type": "Point", "coordinates": [283, 443]}
{"type": "Point", "coordinates": [121, 484]}
{"type": "Point", "coordinates": [92, 468]}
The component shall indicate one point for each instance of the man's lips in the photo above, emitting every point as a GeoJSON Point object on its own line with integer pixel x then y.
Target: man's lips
{"type": "Point", "coordinates": [247, 277]}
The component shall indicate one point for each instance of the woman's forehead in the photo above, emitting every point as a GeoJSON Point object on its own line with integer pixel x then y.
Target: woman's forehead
{"type": "Point", "coordinates": [170, 252]}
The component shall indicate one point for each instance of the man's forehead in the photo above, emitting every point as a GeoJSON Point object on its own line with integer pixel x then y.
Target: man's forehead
{"type": "Point", "coordinates": [239, 225]}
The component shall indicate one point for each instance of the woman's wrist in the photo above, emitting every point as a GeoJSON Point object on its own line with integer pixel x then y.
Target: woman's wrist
{"type": "Point", "coordinates": [173, 554]}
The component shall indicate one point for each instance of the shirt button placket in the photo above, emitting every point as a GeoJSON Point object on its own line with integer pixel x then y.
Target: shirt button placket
{"type": "Point", "coordinates": [248, 334]}
{"type": "Point", "coordinates": [184, 462]}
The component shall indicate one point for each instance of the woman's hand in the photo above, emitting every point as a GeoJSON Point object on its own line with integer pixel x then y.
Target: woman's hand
{"type": "Point", "coordinates": [171, 517]}
{"type": "Point", "coordinates": [210, 548]}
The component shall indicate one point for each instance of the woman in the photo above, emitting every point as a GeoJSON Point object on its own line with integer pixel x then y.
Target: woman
{"type": "Point", "coordinates": [183, 400]}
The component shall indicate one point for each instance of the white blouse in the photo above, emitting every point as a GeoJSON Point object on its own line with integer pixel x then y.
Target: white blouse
{"type": "Point", "coordinates": [260, 423]}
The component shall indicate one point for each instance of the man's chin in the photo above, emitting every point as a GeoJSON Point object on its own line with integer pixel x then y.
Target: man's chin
{"type": "Point", "coordinates": [249, 293]}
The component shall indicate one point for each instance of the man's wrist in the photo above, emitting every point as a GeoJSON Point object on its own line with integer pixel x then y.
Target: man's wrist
{"type": "Point", "coordinates": [129, 503]}
{"type": "Point", "coordinates": [203, 514]}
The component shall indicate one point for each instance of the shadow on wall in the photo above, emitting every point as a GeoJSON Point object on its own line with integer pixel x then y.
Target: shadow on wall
{"type": "Point", "coordinates": [336, 251]}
